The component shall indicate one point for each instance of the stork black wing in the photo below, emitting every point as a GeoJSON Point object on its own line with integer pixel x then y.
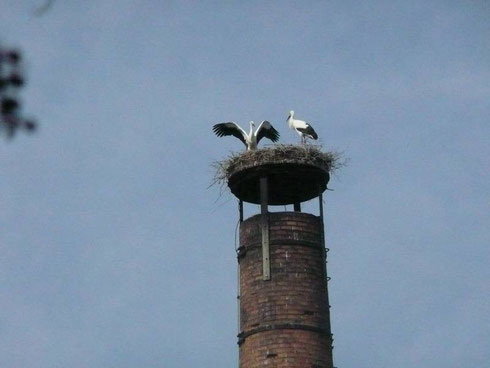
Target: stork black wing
{"type": "Point", "coordinates": [266, 130]}
{"type": "Point", "coordinates": [229, 128]}
{"type": "Point", "coordinates": [309, 131]}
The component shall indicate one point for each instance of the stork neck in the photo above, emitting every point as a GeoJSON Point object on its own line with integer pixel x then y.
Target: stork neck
{"type": "Point", "coordinates": [251, 130]}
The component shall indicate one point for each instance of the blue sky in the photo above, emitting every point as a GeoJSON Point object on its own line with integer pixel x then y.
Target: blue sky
{"type": "Point", "coordinates": [114, 252]}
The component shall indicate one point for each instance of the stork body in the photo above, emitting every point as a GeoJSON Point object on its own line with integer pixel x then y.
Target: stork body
{"type": "Point", "coordinates": [304, 129]}
{"type": "Point", "coordinates": [250, 139]}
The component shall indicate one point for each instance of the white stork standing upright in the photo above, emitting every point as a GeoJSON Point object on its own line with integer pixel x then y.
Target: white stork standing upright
{"type": "Point", "coordinates": [304, 129]}
{"type": "Point", "coordinates": [251, 139]}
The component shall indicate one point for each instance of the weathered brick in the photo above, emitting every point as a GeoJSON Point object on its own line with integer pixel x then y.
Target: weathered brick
{"type": "Point", "coordinates": [284, 321]}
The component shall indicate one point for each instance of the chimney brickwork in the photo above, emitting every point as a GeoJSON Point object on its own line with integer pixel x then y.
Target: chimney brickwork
{"type": "Point", "coordinates": [284, 321]}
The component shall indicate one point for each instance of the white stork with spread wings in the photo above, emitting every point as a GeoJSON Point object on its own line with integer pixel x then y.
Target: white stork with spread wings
{"type": "Point", "coordinates": [251, 139]}
{"type": "Point", "coordinates": [304, 129]}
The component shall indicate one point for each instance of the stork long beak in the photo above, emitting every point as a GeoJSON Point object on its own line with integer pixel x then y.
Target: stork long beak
{"type": "Point", "coordinates": [288, 117]}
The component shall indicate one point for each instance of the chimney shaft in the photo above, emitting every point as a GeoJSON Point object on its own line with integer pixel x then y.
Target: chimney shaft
{"type": "Point", "coordinates": [284, 321]}
{"type": "Point", "coordinates": [283, 298]}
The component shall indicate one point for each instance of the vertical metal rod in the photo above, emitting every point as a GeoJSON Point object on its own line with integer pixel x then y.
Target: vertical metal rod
{"type": "Point", "coordinates": [320, 199]}
{"type": "Point", "coordinates": [240, 210]}
{"type": "Point", "coordinates": [239, 319]}
{"type": "Point", "coordinates": [297, 207]}
{"type": "Point", "coordinates": [238, 298]}
{"type": "Point", "coordinates": [239, 309]}
{"type": "Point", "coordinates": [326, 278]}
{"type": "Point", "coordinates": [266, 267]}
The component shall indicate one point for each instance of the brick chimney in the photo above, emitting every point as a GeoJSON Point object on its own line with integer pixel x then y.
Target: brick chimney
{"type": "Point", "coordinates": [284, 315]}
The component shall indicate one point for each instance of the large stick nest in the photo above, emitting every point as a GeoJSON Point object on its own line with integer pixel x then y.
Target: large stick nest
{"type": "Point", "coordinates": [278, 154]}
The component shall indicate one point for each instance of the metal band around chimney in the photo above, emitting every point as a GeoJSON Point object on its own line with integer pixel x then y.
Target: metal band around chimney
{"type": "Point", "coordinates": [242, 251]}
{"type": "Point", "coordinates": [284, 326]}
